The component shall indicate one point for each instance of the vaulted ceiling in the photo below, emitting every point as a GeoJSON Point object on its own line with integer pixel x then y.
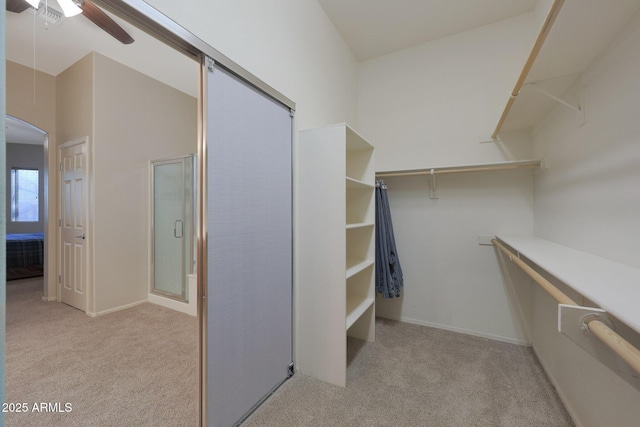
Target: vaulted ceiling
{"type": "Point", "coordinates": [369, 27]}
{"type": "Point", "coordinates": [372, 28]}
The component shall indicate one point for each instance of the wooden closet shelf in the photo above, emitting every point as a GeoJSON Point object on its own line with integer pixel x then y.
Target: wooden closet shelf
{"type": "Point", "coordinates": [611, 285]}
{"type": "Point", "coordinates": [480, 167]}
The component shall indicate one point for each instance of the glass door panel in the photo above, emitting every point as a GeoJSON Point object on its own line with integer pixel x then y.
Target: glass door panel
{"type": "Point", "coordinates": [171, 228]}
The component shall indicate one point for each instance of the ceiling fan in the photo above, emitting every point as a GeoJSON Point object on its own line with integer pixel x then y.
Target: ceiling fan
{"type": "Point", "coordinates": [72, 7]}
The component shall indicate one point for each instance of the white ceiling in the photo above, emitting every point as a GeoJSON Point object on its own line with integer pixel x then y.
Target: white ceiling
{"type": "Point", "coordinates": [376, 27]}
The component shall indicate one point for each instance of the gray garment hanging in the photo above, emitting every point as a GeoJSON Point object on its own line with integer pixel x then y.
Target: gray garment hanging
{"type": "Point", "coordinates": [389, 279]}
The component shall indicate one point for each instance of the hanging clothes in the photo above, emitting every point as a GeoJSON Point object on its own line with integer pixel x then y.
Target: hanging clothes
{"type": "Point", "coordinates": [389, 279]}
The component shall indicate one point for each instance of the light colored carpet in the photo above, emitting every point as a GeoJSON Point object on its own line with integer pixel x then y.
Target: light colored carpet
{"type": "Point", "coordinates": [136, 367]}
{"type": "Point", "coordinates": [418, 376]}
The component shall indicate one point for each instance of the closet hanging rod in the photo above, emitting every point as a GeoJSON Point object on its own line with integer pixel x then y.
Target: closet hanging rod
{"type": "Point", "coordinates": [535, 50]}
{"type": "Point", "coordinates": [487, 167]}
{"type": "Point", "coordinates": [608, 336]}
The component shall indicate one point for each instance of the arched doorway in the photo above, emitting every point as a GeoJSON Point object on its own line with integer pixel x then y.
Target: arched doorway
{"type": "Point", "coordinates": [27, 203]}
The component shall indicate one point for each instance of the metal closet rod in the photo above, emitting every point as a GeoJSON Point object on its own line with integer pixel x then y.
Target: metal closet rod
{"type": "Point", "coordinates": [608, 336]}
{"type": "Point", "coordinates": [525, 164]}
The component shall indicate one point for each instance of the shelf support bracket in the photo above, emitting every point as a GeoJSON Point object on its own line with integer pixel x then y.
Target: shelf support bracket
{"type": "Point", "coordinates": [432, 191]}
{"type": "Point", "coordinates": [573, 322]}
{"type": "Point", "coordinates": [579, 109]}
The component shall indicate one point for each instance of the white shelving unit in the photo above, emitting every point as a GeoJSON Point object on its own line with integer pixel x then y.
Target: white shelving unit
{"type": "Point", "coordinates": [336, 249]}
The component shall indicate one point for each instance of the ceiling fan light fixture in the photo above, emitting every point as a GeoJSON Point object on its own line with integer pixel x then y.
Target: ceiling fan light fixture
{"type": "Point", "coordinates": [69, 8]}
{"type": "Point", "coordinates": [34, 3]}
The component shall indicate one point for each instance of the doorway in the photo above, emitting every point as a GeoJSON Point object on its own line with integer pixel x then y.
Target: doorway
{"type": "Point", "coordinates": [27, 175]}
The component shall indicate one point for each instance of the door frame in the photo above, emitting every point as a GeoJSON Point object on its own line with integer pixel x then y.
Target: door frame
{"type": "Point", "coordinates": [88, 211]}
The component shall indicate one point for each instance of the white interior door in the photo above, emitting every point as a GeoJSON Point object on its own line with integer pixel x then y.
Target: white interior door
{"type": "Point", "coordinates": [73, 224]}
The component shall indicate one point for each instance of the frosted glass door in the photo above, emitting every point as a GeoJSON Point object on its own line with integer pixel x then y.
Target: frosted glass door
{"type": "Point", "coordinates": [168, 229]}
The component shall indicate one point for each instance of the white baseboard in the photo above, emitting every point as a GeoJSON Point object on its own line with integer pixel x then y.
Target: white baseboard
{"type": "Point", "coordinates": [190, 308]}
{"type": "Point", "coordinates": [113, 310]}
{"type": "Point", "coordinates": [183, 307]}
{"type": "Point", "coordinates": [462, 331]}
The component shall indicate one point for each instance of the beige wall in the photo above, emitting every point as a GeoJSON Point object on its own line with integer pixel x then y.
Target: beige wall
{"type": "Point", "coordinates": [32, 100]}
{"type": "Point", "coordinates": [130, 119]}
{"type": "Point", "coordinates": [31, 96]}
{"type": "Point", "coordinates": [137, 119]}
{"type": "Point", "coordinates": [75, 101]}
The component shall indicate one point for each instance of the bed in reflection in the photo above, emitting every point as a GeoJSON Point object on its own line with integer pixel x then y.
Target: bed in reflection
{"type": "Point", "coordinates": [25, 255]}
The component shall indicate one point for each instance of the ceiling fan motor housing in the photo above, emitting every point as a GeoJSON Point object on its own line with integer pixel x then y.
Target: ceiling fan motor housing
{"type": "Point", "coordinates": [90, 11]}
{"type": "Point", "coordinates": [49, 14]}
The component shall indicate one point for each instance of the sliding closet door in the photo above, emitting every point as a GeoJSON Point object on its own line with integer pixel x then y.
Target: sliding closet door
{"type": "Point", "coordinates": [249, 247]}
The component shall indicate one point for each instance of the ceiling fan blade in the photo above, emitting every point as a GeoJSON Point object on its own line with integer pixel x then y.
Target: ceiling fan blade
{"type": "Point", "coordinates": [104, 21]}
{"type": "Point", "coordinates": [17, 6]}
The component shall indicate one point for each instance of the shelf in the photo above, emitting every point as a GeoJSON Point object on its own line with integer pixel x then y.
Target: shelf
{"type": "Point", "coordinates": [355, 141]}
{"type": "Point", "coordinates": [359, 154]}
{"type": "Point", "coordinates": [359, 225]}
{"type": "Point", "coordinates": [336, 254]}
{"type": "Point", "coordinates": [355, 184]}
{"type": "Point", "coordinates": [479, 167]}
{"type": "Point", "coordinates": [356, 306]}
{"type": "Point", "coordinates": [355, 267]}
{"type": "Point", "coordinates": [571, 37]}
{"type": "Point", "coordinates": [551, 17]}
{"type": "Point", "coordinates": [611, 285]}
{"type": "Point", "coordinates": [359, 202]}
